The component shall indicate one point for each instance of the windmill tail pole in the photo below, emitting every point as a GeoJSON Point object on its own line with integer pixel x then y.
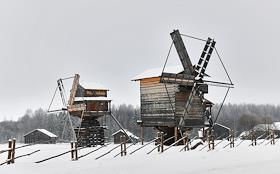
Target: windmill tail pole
{"type": "Point", "coordinates": [119, 124]}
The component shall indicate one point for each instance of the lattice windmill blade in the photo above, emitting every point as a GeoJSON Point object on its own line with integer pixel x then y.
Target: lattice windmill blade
{"type": "Point", "coordinates": [182, 52]}
{"type": "Point", "coordinates": [205, 57]}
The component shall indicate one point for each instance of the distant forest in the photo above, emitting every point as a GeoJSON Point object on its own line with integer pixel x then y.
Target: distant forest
{"type": "Point", "coordinates": [239, 117]}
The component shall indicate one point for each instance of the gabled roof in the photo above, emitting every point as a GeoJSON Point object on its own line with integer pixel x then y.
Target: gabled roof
{"type": "Point", "coordinates": [44, 131]}
{"type": "Point", "coordinates": [127, 132]}
{"type": "Point", "coordinates": [156, 72]}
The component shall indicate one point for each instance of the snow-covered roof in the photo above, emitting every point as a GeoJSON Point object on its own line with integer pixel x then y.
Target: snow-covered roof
{"type": "Point", "coordinates": [156, 72]}
{"type": "Point", "coordinates": [92, 99]}
{"type": "Point", "coordinates": [91, 85]}
{"type": "Point", "coordinates": [128, 133]}
{"type": "Point", "coordinates": [44, 131]}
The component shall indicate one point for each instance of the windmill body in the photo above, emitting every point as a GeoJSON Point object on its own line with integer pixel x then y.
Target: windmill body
{"type": "Point", "coordinates": [91, 105]}
{"type": "Point", "coordinates": [173, 100]}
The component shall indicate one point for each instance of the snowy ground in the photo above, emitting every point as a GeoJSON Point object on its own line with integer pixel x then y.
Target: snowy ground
{"type": "Point", "coordinates": [242, 159]}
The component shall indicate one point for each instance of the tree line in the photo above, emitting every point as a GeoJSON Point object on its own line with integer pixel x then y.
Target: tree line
{"type": "Point", "coordinates": [239, 117]}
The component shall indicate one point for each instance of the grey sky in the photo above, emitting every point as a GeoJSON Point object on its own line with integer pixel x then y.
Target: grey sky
{"type": "Point", "coordinates": [112, 41]}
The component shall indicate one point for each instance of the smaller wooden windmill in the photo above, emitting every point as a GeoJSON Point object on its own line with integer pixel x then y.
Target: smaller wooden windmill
{"type": "Point", "coordinates": [90, 103]}
{"type": "Point", "coordinates": [172, 99]}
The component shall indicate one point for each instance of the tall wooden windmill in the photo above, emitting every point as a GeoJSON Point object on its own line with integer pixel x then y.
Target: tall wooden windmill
{"type": "Point", "coordinates": [173, 99]}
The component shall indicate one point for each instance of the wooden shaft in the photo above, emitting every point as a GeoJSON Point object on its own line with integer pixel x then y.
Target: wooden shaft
{"type": "Point", "coordinates": [9, 151]}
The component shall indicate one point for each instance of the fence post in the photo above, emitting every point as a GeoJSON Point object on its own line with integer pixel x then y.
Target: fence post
{"type": "Point", "coordinates": [186, 141]}
{"type": "Point", "coordinates": [76, 151]}
{"type": "Point", "coordinates": [121, 141]}
{"type": "Point", "coordinates": [176, 135]}
{"type": "Point", "coordinates": [158, 141]}
{"type": "Point", "coordinates": [232, 139]}
{"type": "Point", "coordinates": [272, 141]}
{"type": "Point", "coordinates": [124, 145]}
{"type": "Point", "coordinates": [13, 150]}
{"type": "Point", "coordinates": [253, 138]}
{"type": "Point", "coordinates": [72, 150]}
{"type": "Point", "coordinates": [142, 135]}
{"type": "Point", "coordinates": [211, 144]}
{"type": "Point", "coordinates": [9, 151]}
{"type": "Point", "coordinates": [161, 141]}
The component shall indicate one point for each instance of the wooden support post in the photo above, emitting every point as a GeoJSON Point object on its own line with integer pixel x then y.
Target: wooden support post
{"type": "Point", "coordinates": [158, 141]}
{"type": "Point", "coordinates": [272, 141]}
{"type": "Point", "coordinates": [212, 139]}
{"type": "Point", "coordinates": [253, 138]}
{"type": "Point", "coordinates": [13, 150]}
{"type": "Point", "coordinates": [72, 150]}
{"type": "Point", "coordinates": [124, 145]}
{"type": "Point", "coordinates": [231, 139]}
{"type": "Point", "coordinates": [76, 151]}
{"type": "Point", "coordinates": [121, 141]}
{"type": "Point", "coordinates": [208, 138]}
{"type": "Point", "coordinates": [9, 151]}
{"type": "Point", "coordinates": [161, 142]}
{"type": "Point", "coordinates": [186, 141]}
{"type": "Point", "coordinates": [211, 143]}
{"type": "Point", "coordinates": [142, 135]}
{"type": "Point", "coordinates": [176, 135]}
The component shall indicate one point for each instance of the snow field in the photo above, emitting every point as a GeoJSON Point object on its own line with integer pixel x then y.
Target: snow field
{"type": "Point", "coordinates": [242, 159]}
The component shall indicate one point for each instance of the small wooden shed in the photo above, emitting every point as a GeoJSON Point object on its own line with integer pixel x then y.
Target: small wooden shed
{"type": "Point", "coordinates": [117, 136]}
{"type": "Point", "coordinates": [40, 136]}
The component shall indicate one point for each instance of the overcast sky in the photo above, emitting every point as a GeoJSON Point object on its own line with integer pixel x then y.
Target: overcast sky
{"type": "Point", "coordinates": [110, 42]}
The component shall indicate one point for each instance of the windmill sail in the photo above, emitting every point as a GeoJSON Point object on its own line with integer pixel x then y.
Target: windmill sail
{"type": "Point", "coordinates": [182, 52]}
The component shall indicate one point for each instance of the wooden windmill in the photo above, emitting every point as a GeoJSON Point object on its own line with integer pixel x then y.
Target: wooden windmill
{"type": "Point", "coordinates": [90, 103]}
{"type": "Point", "coordinates": [172, 100]}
